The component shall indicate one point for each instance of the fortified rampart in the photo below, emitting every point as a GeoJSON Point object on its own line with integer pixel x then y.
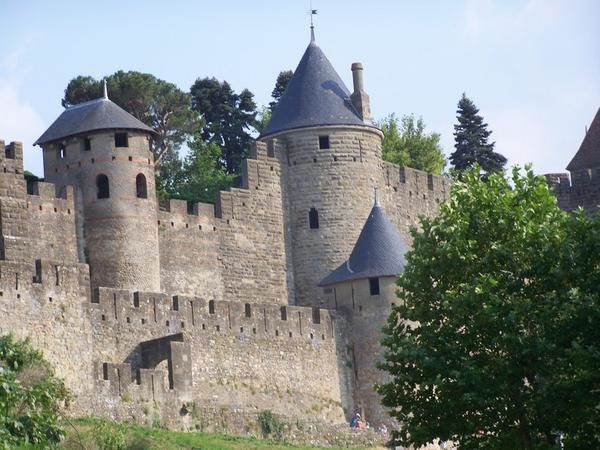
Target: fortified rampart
{"type": "Point", "coordinates": [583, 191]}
{"type": "Point", "coordinates": [234, 250]}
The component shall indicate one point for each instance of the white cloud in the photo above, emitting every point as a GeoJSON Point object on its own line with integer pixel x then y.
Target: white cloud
{"type": "Point", "coordinates": [20, 122]}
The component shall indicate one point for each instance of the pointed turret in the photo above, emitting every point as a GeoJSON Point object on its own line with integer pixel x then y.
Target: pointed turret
{"type": "Point", "coordinates": [95, 115]}
{"type": "Point", "coordinates": [315, 96]}
{"type": "Point", "coordinates": [588, 155]}
{"type": "Point", "coordinates": [378, 252]}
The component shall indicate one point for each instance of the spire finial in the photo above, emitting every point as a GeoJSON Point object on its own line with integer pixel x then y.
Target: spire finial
{"type": "Point", "coordinates": [376, 199]}
{"type": "Point", "coordinates": [105, 90]}
{"type": "Point", "coordinates": [313, 12]}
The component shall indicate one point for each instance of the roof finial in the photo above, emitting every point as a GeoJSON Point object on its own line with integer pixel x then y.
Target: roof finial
{"type": "Point", "coordinates": [105, 90]}
{"type": "Point", "coordinates": [313, 12]}
{"type": "Point", "coordinates": [376, 200]}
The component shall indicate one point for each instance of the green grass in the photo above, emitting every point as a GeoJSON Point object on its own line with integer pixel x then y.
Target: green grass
{"type": "Point", "coordinates": [88, 434]}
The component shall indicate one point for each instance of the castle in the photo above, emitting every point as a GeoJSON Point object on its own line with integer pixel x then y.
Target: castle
{"type": "Point", "coordinates": [272, 298]}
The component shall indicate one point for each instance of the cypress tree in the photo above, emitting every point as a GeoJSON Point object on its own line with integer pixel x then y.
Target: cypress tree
{"type": "Point", "coordinates": [471, 137]}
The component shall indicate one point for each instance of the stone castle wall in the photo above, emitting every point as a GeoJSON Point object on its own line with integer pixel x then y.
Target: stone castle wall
{"type": "Point", "coordinates": [234, 251]}
{"type": "Point", "coordinates": [583, 191]}
{"type": "Point", "coordinates": [117, 234]}
{"type": "Point", "coordinates": [339, 183]}
{"type": "Point", "coordinates": [249, 357]}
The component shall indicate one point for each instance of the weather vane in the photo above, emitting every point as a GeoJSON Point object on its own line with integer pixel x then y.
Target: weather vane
{"type": "Point", "coordinates": [313, 12]}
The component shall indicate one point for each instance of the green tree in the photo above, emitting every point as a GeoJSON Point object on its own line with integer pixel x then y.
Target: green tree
{"type": "Point", "coordinates": [262, 118]}
{"type": "Point", "coordinates": [159, 104]}
{"type": "Point", "coordinates": [283, 79]}
{"type": "Point", "coordinates": [200, 177]}
{"type": "Point", "coordinates": [471, 141]}
{"type": "Point", "coordinates": [490, 345]}
{"type": "Point", "coordinates": [405, 142]}
{"type": "Point", "coordinates": [228, 119]}
{"type": "Point", "coordinates": [30, 397]}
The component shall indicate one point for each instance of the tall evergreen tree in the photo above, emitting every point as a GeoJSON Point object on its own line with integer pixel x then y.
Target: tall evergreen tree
{"type": "Point", "coordinates": [471, 137]}
{"type": "Point", "coordinates": [281, 84]}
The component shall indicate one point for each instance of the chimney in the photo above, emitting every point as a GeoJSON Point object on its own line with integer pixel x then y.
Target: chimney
{"type": "Point", "coordinates": [359, 98]}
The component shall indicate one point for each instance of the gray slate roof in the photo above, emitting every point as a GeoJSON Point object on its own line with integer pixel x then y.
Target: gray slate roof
{"type": "Point", "coordinates": [379, 251]}
{"type": "Point", "coordinates": [588, 155]}
{"type": "Point", "coordinates": [99, 114]}
{"type": "Point", "coordinates": [315, 95]}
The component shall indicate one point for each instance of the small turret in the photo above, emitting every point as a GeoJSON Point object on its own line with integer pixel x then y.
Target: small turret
{"type": "Point", "coordinates": [360, 99]}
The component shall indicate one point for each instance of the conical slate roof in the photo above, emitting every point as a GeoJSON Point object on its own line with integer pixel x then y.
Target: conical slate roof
{"type": "Point", "coordinates": [99, 114]}
{"type": "Point", "coordinates": [588, 155]}
{"type": "Point", "coordinates": [378, 252]}
{"type": "Point", "coordinates": [316, 95]}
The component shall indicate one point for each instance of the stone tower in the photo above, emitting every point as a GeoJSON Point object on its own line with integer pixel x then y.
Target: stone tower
{"type": "Point", "coordinates": [104, 152]}
{"type": "Point", "coordinates": [364, 288]}
{"type": "Point", "coordinates": [330, 156]}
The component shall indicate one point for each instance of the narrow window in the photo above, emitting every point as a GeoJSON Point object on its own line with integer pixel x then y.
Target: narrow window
{"type": "Point", "coordinates": [86, 143]}
{"type": "Point", "coordinates": [121, 140]}
{"type": "Point", "coordinates": [140, 186]}
{"type": "Point", "coordinates": [270, 148]}
{"type": "Point", "coordinates": [248, 310]}
{"type": "Point", "coordinates": [374, 286]}
{"type": "Point", "coordinates": [211, 307]}
{"type": "Point", "coordinates": [61, 152]}
{"type": "Point", "coordinates": [316, 316]}
{"type": "Point", "coordinates": [313, 218]}
{"type": "Point", "coordinates": [323, 142]}
{"type": "Point", "coordinates": [283, 313]}
{"type": "Point", "coordinates": [103, 187]}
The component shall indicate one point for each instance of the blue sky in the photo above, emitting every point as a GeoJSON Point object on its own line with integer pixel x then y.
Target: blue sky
{"type": "Point", "coordinates": [531, 66]}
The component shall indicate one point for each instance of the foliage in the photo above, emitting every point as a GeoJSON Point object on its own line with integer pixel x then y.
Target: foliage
{"type": "Point", "coordinates": [283, 79]}
{"type": "Point", "coordinates": [200, 177]}
{"type": "Point", "coordinates": [495, 343]}
{"type": "Point", "coordinates": [110, 436]}
{"type": "Point", "coordinates": [30, 397]}
{"type": "Point", "coordinates": [228, 119]}
{"type": "Point", "coordinates": [471, 141]}
{"type": "Point", "coordinates": [406, 143]}
{"type": "Point", "coordinates": [159, 104]}
{"type": "Point", "coordinates": [270, 425]}
{"type": "Point", "coordinates": [262, 118]}
{"type": "Point", "coordinates": [138, 437]}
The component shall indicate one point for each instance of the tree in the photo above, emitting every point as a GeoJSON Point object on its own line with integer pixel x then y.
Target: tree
{"type": "Point", "coordinates": [495, 341]}
{"type": "Point", "coordinates": [200, 177]}
{"type": "Point", "coordinates": [406, 143]}
{"type": "Point", "coordinates": [159, 104]}
{"type": "Point", "coordinates": [281, 84]}
{"type": "Point", "coordinates": [229, 117]}
{"type": "Point", "coordinates": [471, 137]}
{"type": "Point", "coordinates": [262, 118]}
{"type": "Point", "coordinates": [30, 397]}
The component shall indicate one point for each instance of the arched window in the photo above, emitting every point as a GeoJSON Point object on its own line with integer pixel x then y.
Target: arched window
{"type": "Point", "coordinates": [140, 186]}
{"type": "Point", "coordinates": [313, 218]}
{"type": "Point", "coordinates": [102, 186]}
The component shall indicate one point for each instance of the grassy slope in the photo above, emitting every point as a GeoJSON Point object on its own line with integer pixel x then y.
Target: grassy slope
{"type": "Point", "coordinates": [82, 435]}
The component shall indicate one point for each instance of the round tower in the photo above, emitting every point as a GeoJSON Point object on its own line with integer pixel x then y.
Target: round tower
{"type": "Point", "coordinates": [104, 152]}
{"type": "Point", "coordinates": [364, 288]}
{"type": "Point", "coordinates": [330, 155]}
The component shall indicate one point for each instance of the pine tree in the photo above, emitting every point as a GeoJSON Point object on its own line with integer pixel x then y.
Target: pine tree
{"type": "Point", "coordinates": [471, 137]}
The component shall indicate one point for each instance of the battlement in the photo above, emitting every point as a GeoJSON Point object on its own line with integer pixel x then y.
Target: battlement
{"type": "Point", "coordinates": [145, 385]}
{"type": "Point", "coordinates": [44, 275]}
{"type": "Point", "coordinates": [12, 152]}
{"type": "Point", "coordinates": [417, 181]}
{"type": "Point", "coordinates": [174, 314]}
{"type": "Point", "coordinates": [581, 191]}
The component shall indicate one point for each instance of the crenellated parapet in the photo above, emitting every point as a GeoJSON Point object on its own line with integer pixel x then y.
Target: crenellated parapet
{"type": "Point", "coordinates": [583, 191]}
{"type": "Point", "coordinates": [235, 249]}
{"type": "Point", "coordinates": [157, 314]}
